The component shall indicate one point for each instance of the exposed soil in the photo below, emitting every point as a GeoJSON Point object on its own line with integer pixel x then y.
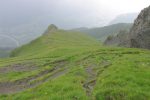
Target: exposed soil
{"type": "Point", "coordinates": [23, 84]}
{"type": "Point", "coordinates": [18, 68]}
{"type": "Point", "coordinates": [92, 77]}
{"type": "Point", "coordinates": [91, 80]}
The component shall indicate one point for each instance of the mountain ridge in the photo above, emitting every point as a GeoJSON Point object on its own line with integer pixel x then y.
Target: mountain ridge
{"type": "Point", "coordinates": [101, 33]}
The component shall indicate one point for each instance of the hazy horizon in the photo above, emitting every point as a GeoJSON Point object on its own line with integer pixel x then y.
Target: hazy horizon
{"type": "Point", "coordinates": [66, 13]}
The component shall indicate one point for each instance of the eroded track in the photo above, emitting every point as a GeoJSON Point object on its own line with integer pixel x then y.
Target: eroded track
{"type": "Point", "coordinates": [12, 87]}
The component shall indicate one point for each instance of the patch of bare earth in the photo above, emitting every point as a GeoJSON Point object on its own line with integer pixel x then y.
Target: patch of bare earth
{"type": "Point", "coordinates": [23, 84]}
{"type": "Point", "coordinates": [17, 68]}
{"type": "Point", "coordinates": [90, 82]}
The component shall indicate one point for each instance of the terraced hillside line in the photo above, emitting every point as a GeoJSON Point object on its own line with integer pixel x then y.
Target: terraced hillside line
{"type": "Point", "coordinates": [23, 84]}
{"type": "Point", "coordinates": [17, 68]}
{"type": "Point", "coordinates": [91, 80]}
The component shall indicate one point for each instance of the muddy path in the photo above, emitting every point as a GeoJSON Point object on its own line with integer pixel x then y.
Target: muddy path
{"type": "Point", "coordinates": [18, 68]}
{"type": "Point", "coordinates": [90, 81]}
{"type": "Point", "coordinates": [59, 69]}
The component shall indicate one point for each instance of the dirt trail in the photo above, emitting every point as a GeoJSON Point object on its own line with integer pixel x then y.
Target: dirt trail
{"type": "Point", "coordinates": [92, 77]}
{"type": "Point", "coordinates": [23, 84]}
{"type": "Point", "coordinates": [91, 80]}
{"type": "Point", "coordinates": [17, 68]}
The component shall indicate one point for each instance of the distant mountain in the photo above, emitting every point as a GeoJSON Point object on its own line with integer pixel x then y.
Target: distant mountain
{"type": "Point", "coordinates": [101, 33]}
{"type": "Point", "coordinates": [138, 36]}
{"type": "Point", "coordinates": [7, 43]}
{"type": "Point", "coordinates": [5, 52]}
{"type": "Point", "coordinates": [80, 29]}
{"type": "Point", "coordinates": [124, 18]}
{"type": "Point", "coordinates": [25, 31]}
{"type": "Point", "coordinates": [17, 34]}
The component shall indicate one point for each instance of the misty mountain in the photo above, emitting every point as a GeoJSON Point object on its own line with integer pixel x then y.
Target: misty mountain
{"type": "Point", "coordinates": [5, 52]}
{"type": "Point", "coordinates": [22, 33]}
{"type": "Point", "coordinates": [101, 33]}
{"type": "Point", "coordinates": [124, 18]}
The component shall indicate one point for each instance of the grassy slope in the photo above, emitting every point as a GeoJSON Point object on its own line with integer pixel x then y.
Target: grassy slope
{"type": "Point", "coordinates": [121, 73]}
{"type": "Point", "coordinates": [103, 32]}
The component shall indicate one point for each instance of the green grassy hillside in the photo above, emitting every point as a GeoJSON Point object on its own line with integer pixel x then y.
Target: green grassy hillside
{"type": "Point", "coordinates": [65, 65]}
{"type": "Point", "coordinates": [101, 33]}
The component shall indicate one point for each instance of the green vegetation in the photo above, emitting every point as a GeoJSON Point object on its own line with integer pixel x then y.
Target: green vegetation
{"type": "Point", "coordinates": [72, 66]}
{"type": "Point", "coordinates": [101, 33]}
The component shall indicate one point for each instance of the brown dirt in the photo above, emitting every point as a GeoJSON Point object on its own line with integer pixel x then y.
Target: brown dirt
{"type": "Point", "coordinates": [91, 80]}
{"type": "Point", "coordinates": [23, 84]}
{"type": "Point", "coordinates": [92, 77]}
{"type": "Point", "coordinates": [17, 68]}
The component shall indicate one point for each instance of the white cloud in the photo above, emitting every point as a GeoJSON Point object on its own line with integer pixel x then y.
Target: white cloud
{"type": "Point", "coordinates": [75, 13]}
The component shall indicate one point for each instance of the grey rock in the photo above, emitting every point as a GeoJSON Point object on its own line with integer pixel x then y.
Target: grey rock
{"type": "Point", "coordinates": [51, 28]}
{"type": "Point", "coordinates": [139, 34]}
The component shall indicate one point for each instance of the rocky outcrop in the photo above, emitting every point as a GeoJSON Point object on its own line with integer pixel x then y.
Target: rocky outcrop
{"type": "Point", "coordinates": [117, 40]}
{"type": "Point", "coordinates": [138, 36]}
{"type": "Point", "coordinates": [140, 32]}
{"type": "Point", "coordinates": [51, 28]}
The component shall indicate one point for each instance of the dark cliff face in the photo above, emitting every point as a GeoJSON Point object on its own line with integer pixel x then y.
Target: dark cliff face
{"type": "Point", "coordinates": [138, 36]}
{"type": "Point", "coordinates": [140, 32]}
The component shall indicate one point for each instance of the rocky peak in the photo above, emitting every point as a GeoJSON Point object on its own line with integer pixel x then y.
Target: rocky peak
{"type": "Point", "coordinates": [51, 28]}
{"type": "Point", "coordinates": [142, 21]}
{"type": "Point", "coordinates": [140, 32]}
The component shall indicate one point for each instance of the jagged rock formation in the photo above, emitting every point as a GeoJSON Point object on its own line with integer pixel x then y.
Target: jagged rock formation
{"type": "Point", "coordinates": [51, 28]}
{"type": "Point", "coordinates": [140, 32]}
{"type": "Point", "coordinates": [139, 35]}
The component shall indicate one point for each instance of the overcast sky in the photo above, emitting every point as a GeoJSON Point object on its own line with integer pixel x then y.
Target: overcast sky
{"type": "Point", "coordinates": [67, 13]}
